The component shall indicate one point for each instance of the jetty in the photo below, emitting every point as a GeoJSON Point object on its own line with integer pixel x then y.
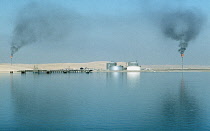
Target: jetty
{"type": "Point", "coordinates": [56, 71]}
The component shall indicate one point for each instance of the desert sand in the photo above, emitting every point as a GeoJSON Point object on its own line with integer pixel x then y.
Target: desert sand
{"type": "Point", "coordinates": [99, 66]}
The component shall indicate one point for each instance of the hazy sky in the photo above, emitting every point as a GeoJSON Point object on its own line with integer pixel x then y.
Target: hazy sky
{"type": "Point", "coordinates": [100, 30]}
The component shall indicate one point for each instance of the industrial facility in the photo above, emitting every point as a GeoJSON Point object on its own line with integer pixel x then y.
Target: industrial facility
{"type": "Point", "coordinates": [131, 66]}
{"type": "Point", "coordinates": [112, 66]}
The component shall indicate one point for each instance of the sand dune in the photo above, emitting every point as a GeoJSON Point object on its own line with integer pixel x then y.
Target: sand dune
{"type": "Point", "coordinates": [98, 66]}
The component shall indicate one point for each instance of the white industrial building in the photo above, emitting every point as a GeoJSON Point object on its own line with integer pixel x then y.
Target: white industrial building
{"type": "Point", "coordinates": [116, 68]}
{"type": "Point", "coordinates": [133, 66]}
{"type": "Point", "coordinates": [112, 66]}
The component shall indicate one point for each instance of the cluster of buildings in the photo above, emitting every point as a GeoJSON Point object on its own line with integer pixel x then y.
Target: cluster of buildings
{"type": "Point", "coordinates": [131, 66]}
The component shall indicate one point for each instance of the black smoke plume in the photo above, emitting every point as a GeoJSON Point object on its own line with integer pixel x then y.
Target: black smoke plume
{"type": "Point", "coordinates": [183, 26]}
{"type": "Point", "coordinates": [41, 23]}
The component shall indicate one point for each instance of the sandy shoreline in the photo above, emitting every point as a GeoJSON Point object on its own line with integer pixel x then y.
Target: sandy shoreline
{"type": "Point", "coordinates": [100, 66]}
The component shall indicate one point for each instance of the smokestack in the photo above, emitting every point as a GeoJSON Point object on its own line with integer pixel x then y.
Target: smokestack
{"type": "Point", "coordinates": [182, 55]}
{"type": "Point", "coordinates": [11, 58]}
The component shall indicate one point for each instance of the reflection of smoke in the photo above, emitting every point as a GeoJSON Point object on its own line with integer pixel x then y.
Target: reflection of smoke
{"type": "Point", "coordinates": [37, 23]}
{"type": "Point", "coordinates": [182, 26]}
{"type": "Point", "coordinates": [180, 111]}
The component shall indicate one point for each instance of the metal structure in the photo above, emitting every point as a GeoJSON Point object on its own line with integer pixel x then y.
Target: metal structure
{"type": "Point", "coordinates": [110, 64]}
{"type": "Point", "coordinates": [116, 68]}
{"type": "Point", "coordinates": [133, 63]}
{"type": "Point", "coordinates": [182, 55]}
{"type": "Point", "coordinates": [133, 68]}
{"type": "Point", "coordinates": [11, 59]}
{"type": "Point", "coordinates": [56, 71]}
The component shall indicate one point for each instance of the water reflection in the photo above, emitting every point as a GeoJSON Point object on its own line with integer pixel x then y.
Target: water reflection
{"type": "Point", "coordinates": [123, 79]}
{"type": "Point", "coordinates": [133, 79]}
{"type": "Point", "coordinates": [104, 101]}
{"type": "Point", "coordinates": [37, 107]}
{"type": "Point", "coordinates": [181, 111]}
{"type": "Point", "coordinates": [115, 79]}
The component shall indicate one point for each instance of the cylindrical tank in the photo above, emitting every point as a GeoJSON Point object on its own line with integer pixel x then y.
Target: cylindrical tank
{"type": "Point", "coordinates": [133, 63]}
{"type": "Point", "coordinates": [133, 68]}
{"type": "Point", "coordinates": [110, 64]}
{"type": "Point", "coordinates": [116, 68]}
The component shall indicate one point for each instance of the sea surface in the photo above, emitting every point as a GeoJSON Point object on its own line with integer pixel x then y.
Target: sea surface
{"type": "Point", "coordinates": [105, 101]}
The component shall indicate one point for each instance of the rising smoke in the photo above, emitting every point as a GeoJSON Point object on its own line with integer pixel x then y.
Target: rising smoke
{"type": "Point", "coordinates": [183, 26]}
{"type": "Point", "coordinates": [41, 23]}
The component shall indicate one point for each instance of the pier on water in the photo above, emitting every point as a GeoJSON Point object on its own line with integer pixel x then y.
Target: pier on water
{"type": "Point", "coordinates": [57, 71]}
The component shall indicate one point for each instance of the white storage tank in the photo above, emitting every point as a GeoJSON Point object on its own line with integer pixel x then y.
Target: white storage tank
{"type": "Point", "coordinates": [110, 64]}
{"type": "Point", "coordinates": [116, 68]}
{"type": "Point", "coordinates": [133, 68]}
{"type": "Point", "coordinates": [133, 63]}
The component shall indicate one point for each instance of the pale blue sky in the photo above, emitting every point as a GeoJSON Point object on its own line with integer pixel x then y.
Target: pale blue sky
{"type": "Point", "coordinates": [109, 30]}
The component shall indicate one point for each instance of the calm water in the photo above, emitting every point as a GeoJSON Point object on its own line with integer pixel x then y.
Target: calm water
{"type": "Point", "coordinates": [105, 101]}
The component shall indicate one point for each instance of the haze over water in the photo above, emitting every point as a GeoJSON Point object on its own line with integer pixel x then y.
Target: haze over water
{"type": "Point", "coordinates": [105, 101]}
